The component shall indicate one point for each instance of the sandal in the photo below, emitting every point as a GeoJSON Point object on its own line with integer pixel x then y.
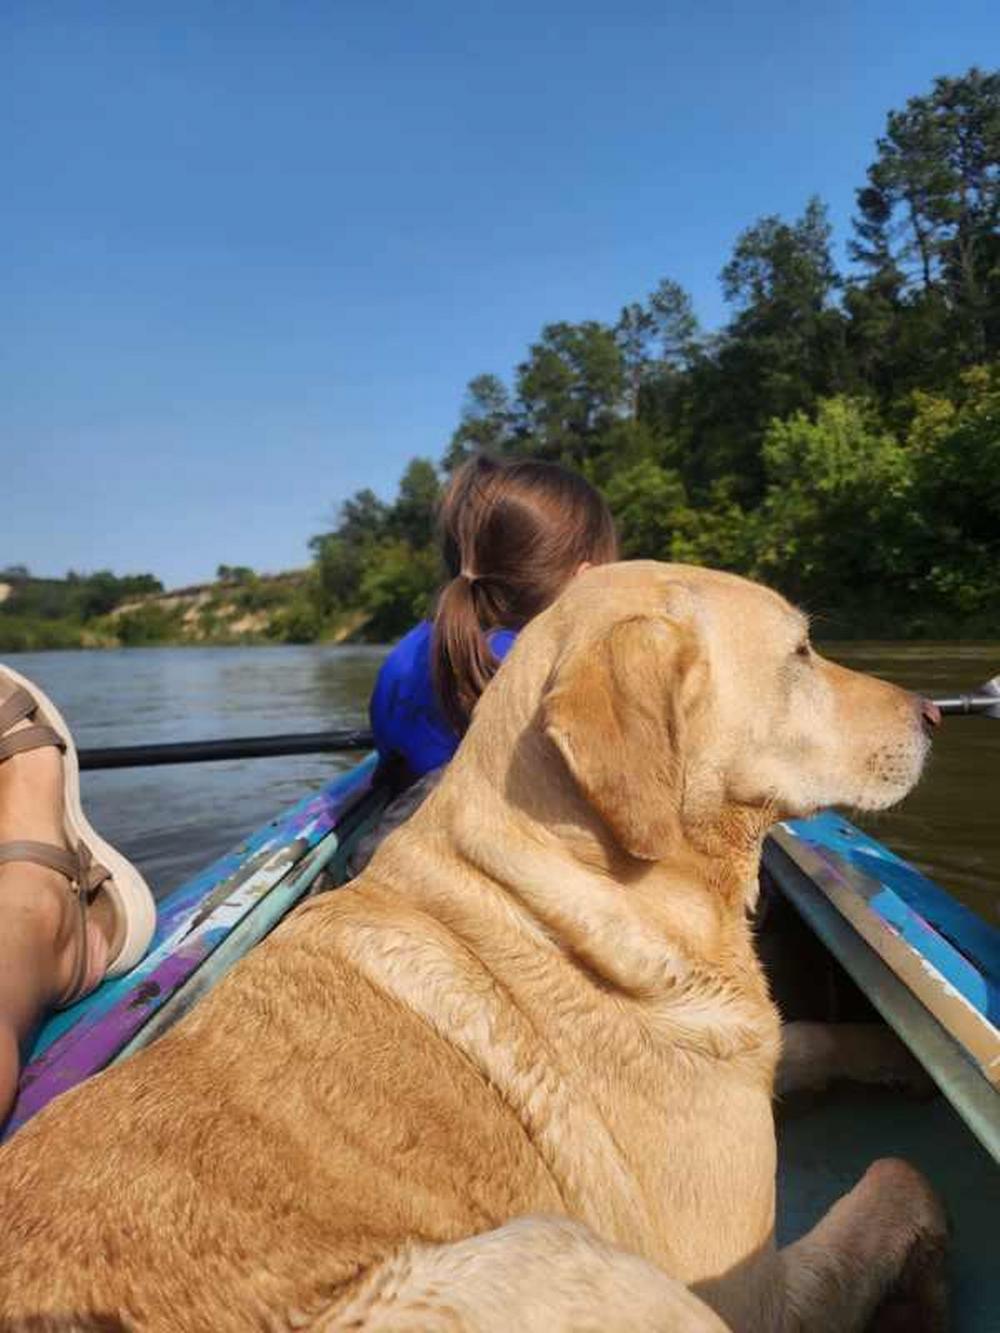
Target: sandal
{"type": "Point", "coordinates": [89, 863]}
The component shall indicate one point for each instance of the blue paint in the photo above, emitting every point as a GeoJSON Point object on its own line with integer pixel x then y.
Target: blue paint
{"type": "Point", "coordinates": [962, 947]}
{"type": "Point", "coordinates": [187, 896]}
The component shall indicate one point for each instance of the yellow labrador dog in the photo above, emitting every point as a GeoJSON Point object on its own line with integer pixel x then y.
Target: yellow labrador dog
{"type": "Point", "coordinates": [519, 1074]}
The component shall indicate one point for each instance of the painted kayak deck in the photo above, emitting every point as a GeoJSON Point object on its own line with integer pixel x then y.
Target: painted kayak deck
{"type": "Point", "coordinates": [928, 965]}
{"type": "Point", "coordinates": [253, 886]}
{"type": "Point", "coordinates": [929, 968]}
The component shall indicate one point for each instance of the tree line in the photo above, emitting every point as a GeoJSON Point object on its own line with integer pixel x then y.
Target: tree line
{"type": "Point", "coordinates": [838, 438]}
{"type": "Point", "coordinates": [41, 613]}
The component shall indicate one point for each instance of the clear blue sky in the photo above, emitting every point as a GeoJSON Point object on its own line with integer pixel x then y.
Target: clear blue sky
{"type": "Point", "coordinates": [253, 252]}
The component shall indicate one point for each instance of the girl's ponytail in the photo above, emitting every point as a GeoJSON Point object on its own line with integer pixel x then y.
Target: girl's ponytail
{"type": "Point", "coordinates": [513, 533]}
{"type": "Point", "coordinates": [462, 661]}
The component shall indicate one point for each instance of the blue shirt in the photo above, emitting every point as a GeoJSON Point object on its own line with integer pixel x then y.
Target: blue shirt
{"type": "Point", "coordinates": [405, 714]}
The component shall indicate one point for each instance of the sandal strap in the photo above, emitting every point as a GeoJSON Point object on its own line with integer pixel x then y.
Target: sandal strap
{"type": "Point", "coordinates": [15, 708]}
{"type": "Point", "coordinates": [84, 873]}
{"type": "Point", "coordinates": [85, 876]}
{"type": "Point", "coordinates": [74, 990]}
{"type": "Point", "coordinates": [29, 738]}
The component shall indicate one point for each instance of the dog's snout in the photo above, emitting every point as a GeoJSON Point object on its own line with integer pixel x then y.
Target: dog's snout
{"type": "Point", "coordinates": [930, 714]}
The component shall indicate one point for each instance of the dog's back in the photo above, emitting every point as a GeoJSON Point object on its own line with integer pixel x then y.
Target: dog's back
{"type": "Point", "coordinates": [297, 1127]}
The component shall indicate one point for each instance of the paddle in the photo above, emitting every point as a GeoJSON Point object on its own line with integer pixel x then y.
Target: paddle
{"type": "Point", "coordinates": [984, 702]}
{"type": "Point", "coordinates": [235, 747]}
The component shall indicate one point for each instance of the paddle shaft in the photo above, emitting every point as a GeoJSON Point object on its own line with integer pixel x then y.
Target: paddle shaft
{"type": "Point", "coordinates": [984, 702]}
{"type": "Point", "coordinates": [969, 704]}
{"type": "Point", "coordinates": [236, 747]}
{"type": "Point", "coordinates": [333, 742]}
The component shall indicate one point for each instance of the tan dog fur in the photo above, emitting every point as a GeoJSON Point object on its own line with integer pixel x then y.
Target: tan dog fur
{"type": "Point", "coordinates": [519, 1074]}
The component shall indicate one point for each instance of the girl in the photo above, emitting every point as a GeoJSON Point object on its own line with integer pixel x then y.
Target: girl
{"type": "Point", "coordinates": [513, 534]}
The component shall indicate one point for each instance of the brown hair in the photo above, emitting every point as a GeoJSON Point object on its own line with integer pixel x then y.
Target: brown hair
{"type": "Point", "coordinates": [513, 533]}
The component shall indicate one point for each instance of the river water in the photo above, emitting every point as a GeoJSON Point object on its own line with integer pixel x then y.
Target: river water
{"type": "Point", "coordinates": [172, 821]}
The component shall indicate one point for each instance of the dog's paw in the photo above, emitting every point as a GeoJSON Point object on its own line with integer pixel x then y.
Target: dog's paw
{"type": "Point", "coordinates": [918, 1300]}
{"type": "Point", "coordinates": [918, 1303]}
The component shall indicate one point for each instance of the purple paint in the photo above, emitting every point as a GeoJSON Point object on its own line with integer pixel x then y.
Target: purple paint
{"type": "Point", "coordinates": [84, 1039]}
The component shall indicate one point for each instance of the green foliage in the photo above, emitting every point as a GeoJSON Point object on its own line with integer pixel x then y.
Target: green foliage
{"type": "Point", "coordinates": [149, 624]}
{"type": "Point", "coordinates": [41, 614]}
{"type": "Point", "coordinates": [487, 422]}
{"type": "Point", "coordinates": [838, 508]}
{"type": "Point", "coordinates": [397, 588]}
{"type": "Point", "coordinates": [300, 621]}
{"type": "Point", "coordinates": [77, 597]}
{"type": "Point", "coordinates": [235, 574]}
{"type": "Point", "coordinates": [955, 448]}
{"type": "Point", "coordinates": [646, 500]}
{"type": "Point", "coordinates": [927, 236]}
{"type": "Point", "coordinates": [26, 634]}
{"type": "Point", "coordinates": [380, 559]}
{"type": "Point", "coordinates": [719, 533]}
{"type": "Point", "coordinates": [570, 391]}
{"type": "Point", "coordinates": [412, 516]}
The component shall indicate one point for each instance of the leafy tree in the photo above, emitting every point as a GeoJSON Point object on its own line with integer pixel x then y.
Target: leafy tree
{"type": "Point", "coordinates": [783, 349]}
{"type": "Point", "coordinates": [634, 333]}
{"type": "Point", "coordinates": [927, 232]}
{"type": "Point", "coordinates": [339, 555]}
{"type": "Point", "coordinates": [675, 323]}
{"type": "Point", "coordinates": [301, 621]}
{"type": "Point", "coordinates": [412, 516]}
{"type": "Point", "coordinates": [235, 574]}
{"type": "Point", "coordinates": [397, 588]}
{"type": "Point", "coordinates": [338, 565]}
{"type": "Point", "coordinates": [487, 423]}
{"type": "Point", "coordinates": [955, 447]}
{"type": "Point", "coordinates": [148, 625]}
{"type": "Point", "coordinates": [838, 516]}
{"type": "Point", "coordinates": [719, 533]}
{"type": "Point", "coordinates": [570, 389]}
{"type": "Point", "coordinates": [781, 279]}
{"type": "Point", "coordinates": [646, 500]}
{"type": "Point", "coordinates": [363, 518]}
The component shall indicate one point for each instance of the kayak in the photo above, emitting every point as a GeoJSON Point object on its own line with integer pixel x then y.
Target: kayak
{"type": "Point", "coordinates": [848, 931]}
{"type": "Point", "coordinates": [203, 927]}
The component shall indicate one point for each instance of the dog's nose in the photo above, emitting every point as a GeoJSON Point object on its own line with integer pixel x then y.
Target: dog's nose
{"type": "Point", "coordinates": [930, 713]}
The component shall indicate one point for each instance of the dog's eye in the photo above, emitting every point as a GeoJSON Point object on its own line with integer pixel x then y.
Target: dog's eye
{"type": "Point", "coordinates": [803, 650]}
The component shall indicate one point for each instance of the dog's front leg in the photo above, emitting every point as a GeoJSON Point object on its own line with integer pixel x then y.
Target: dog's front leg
{"type": "Point", "coordinates": [874, 1262]}
{"type": "Point", "coordinates": [814, 1055]}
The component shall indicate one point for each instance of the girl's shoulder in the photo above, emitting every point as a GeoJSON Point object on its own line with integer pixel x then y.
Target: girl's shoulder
{"type": "Point", "coordinates": [404, 713]}
{"type": "Point", "coordinates": [413, 651]}
{"type": "Point", "coordinates": [414, 647]}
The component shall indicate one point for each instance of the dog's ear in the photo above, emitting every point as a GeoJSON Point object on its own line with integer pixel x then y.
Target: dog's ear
{"type": "Point", "coordinates": [613, 710]}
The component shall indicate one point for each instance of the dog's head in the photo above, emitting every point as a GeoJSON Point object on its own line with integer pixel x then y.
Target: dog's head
{"type": "Point", "coordinates": [676, 694]}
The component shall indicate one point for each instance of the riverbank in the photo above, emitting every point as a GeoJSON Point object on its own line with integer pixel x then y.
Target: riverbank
{"type": "Point", "coordinates": [244, 609]}
{"type": "Point", "coordinates": [238, 610]}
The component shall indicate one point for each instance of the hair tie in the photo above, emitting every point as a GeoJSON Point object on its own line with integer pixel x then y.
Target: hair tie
{"type": "Point", "coordinates": [469, 577]}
